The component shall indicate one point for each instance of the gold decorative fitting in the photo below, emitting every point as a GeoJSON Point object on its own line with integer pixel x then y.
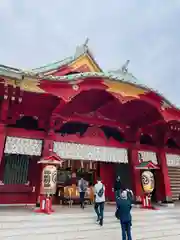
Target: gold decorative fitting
{"type": "Point", "coordinates": [12, 98]}
{"type": "Point", "coordinates": [75, 87]}
{"type": "Point", "coordinates": [1, 183]}
{"type": "Point", "coordinates": [20, 99]}
{"type": "Point", "coordinates": [5, 97]}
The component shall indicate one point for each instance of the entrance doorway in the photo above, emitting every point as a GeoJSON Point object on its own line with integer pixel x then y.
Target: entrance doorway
{"type": "Point", "coordinates": [68, 176]}
{"type": "Point", "coordinates": [123, 170]}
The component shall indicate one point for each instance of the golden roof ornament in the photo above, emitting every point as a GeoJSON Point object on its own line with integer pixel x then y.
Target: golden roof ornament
{"type": "Point", "coordinates": [124, 74]}
{"type": "Point", "coordinates": [82, 49]}
{"type": "Point", "coordinates": [165, 105]}
{"type": "Point", "coordinates": [124, 68]}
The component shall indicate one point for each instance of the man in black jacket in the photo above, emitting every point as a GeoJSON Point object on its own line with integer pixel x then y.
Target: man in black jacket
{"type": "Point", "coordinates": [124, 212]}
{"type": "Point", "coordinates": [117, 187]}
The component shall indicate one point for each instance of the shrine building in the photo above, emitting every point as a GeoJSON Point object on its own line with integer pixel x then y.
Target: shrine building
{"type": "Point", "coordinates": [100, 123]}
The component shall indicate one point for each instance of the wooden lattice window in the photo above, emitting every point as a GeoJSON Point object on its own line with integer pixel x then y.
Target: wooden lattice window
{"type": "Point", "coordinates": [16, 169]}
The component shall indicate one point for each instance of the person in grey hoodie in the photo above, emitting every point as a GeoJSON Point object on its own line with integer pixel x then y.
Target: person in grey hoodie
{"type": "Point", "coordinates": [82, 185]}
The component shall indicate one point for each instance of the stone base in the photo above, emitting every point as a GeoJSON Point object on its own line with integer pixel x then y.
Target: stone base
{"type": "Point", "coordinates": [37, 205]}
{"type": "Point", "coordinates": [167, 204]}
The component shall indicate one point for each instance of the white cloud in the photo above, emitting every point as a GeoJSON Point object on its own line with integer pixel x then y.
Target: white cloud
{"type": "Point", "coordinates": [146, 32]}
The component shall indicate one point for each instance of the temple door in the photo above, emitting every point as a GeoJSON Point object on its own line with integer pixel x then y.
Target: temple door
{"type": "Point", "coordinates": [108, 177]}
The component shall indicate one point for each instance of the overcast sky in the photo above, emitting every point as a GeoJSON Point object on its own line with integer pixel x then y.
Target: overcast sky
{"type": "Point", "coordinates": [37, 32]}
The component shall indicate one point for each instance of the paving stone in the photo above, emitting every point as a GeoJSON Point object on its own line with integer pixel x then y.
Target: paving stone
{"type": "Point", "coordinates": [71, 224]}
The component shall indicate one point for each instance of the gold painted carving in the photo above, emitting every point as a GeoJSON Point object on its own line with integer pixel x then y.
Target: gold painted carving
{"type": "Point", "coordinates": [85, 60]}
{"type": "Point", "coordinates": [125, 89]}
{"type": "Point", "coordinates": [27, 84]}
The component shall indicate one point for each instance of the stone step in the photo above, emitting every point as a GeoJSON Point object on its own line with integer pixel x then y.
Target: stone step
{"type": "Point", "coordinates": [164, 225]}
{"type": "Point", "coordinates": [72, 214]}
{"type": "Point", "coordinates": [74, 224]}
{"type": "Point", "coordinates": [145, 220]}
{"type": "Point", "coordinates": [89, 234]}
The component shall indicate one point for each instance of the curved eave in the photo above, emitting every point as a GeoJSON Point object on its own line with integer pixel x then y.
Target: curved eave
{"type": "Point", "coordinates": [53, 66]}
{"type": "Point", "coordinates": [123, 78]}
{"type": "Point", "coordinates": [49, 68]}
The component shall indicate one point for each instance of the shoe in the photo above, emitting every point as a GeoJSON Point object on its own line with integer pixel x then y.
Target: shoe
{"type": "Point", "coordinates": [97, 221]}
{"type": "Point", "coordinates": [101, 222]}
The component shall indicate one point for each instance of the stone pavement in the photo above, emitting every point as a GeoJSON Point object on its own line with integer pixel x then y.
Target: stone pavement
{"type": "Point", "coordinates": [20, 223]}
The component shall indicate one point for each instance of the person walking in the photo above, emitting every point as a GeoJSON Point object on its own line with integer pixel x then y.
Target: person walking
{"type": "Point", "coordinates": [82, 185]}
{"type": "Point", "coordinates": [124, 212]}
{"type": "Point", "coordinates": [117, 187]}
{"type": "Point", "coordinates": [99, 192]}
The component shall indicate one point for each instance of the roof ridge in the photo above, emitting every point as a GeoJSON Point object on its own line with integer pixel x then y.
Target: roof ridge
{"type": "Point", "coordinates": [9, 68]}
{"type": "Point", "coordinates": [53, 65]}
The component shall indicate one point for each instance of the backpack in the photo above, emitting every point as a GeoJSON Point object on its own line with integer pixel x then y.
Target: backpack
{"type": "Point", "coordinates": [101, 192]}
{"type": "Point", "coordinates": [83, 186]}
{"type": "Point", "coordinates": [117, 214]}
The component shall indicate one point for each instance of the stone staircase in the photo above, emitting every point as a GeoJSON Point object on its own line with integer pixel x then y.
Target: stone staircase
{"type": "Point", "coordinates": [174, 176]}
{"type": "Point", "coordinates": [70, 224]}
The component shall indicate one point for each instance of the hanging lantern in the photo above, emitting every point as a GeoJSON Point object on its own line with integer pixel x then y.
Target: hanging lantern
{"type": "Point", "coordinates": [49, 180]}
{"type": "Point", "coordinates": [87, 166]}
{"type": "Point", "coordinates": [147, 180]}
{"type": "Point", "coordinates": [94, 165]}
{"type": "Point", "coordinates": [73, 175]}
{"type": "Point", "coordinates": [90, 165]}
{"type": "Point", "coordinates": [69, 163]}
{"type": "Point", "coordinates": [82, 164]}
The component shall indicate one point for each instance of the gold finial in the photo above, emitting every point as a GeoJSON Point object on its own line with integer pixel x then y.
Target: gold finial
{"type": "Point", "coordinates": [86, 42]}
{"type": "Point", "coordinates": [124, 68]}
{"type": "Point", "coordinates": [80, 50]}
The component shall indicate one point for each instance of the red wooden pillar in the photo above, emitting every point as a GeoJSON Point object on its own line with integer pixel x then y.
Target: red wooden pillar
{"type": "Point", "coordinates": [136, 177]}
{"type": "Point", "coordinates": [108, 176]}
{"type": "Point", "coordinates": [2, 140]}
{"type": "Point", "coordinates": [48, 147]}
{"type": "Point", "coordinates": [2, 144]}
{"type": "Point", "coordinates": [164, 177]}
{"type": "Point", "coordinates": [3, 117]}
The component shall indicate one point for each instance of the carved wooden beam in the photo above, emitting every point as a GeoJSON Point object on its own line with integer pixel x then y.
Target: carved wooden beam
{"type": "Point", "coordinates": [93, 121]}
{"type": "Point", "coordinates": [153, 125]}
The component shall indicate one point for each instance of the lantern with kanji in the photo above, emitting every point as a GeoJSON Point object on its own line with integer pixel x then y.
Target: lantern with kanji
{"type": "Point", "coordinates": [49, 179]}
{"type": "Point", "coordinates": [147, 179]}
{"type": "Point", "coordinates": [49, 174]}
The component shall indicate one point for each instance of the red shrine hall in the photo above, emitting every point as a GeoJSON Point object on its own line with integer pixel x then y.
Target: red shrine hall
{"type": "Point", "coordinates": [99, 123]}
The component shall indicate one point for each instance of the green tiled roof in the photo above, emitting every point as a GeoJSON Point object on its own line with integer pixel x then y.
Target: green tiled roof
{"type": "Point", "coordinates": [146, 165]}
{"type": "Point", "coordinates": [53, 66]}
{"type": "Point", "coordinates": [121, 77]}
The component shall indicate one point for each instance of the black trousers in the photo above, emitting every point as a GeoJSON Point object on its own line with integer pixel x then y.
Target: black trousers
{"type": "Point", "coordinates": [99, 209]}
{"type": "Point", "coordinates": [82, 195]}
